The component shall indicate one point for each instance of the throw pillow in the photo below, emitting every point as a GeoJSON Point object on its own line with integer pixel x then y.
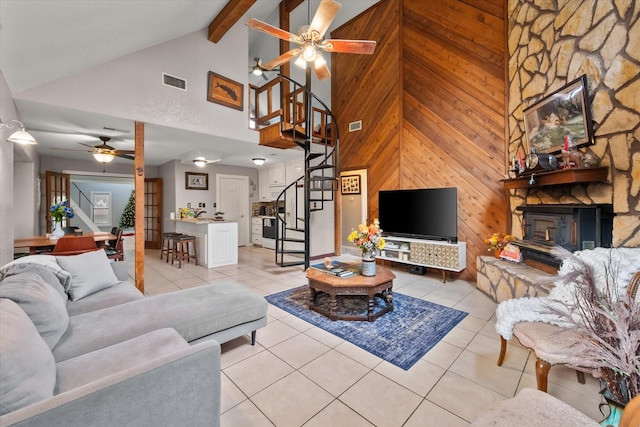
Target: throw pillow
{"type": "Point", "coordinates": [44, 306]}
{"type": "Point", "coordinates": [90, 272]}
{"type": "Point", "coordinates": [45, 273]}
{"type": "Point", "coordinates": [27, 368]}
{"type": "Point", "coordinates": [48, 261]}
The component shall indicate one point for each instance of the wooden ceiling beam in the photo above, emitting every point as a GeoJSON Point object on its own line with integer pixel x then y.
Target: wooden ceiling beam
{"type": "Point", "coordinates": [228, 16]}
{"type": "Point", "coordinates": [289, 5]}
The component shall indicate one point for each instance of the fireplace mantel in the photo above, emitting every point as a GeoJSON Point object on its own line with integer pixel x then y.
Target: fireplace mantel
{"type": "Point", "coordinates": [556, 177]}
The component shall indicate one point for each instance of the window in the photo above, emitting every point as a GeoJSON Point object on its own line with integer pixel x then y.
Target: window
{"type": "Point", "coordinates": [101, 207]}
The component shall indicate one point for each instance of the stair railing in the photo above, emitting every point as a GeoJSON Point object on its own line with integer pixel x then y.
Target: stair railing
{"type": "Point", "coordinates": [81, 197]}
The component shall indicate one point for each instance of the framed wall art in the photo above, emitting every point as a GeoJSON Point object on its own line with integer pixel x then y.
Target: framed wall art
{"type": "Point", "coordinates": [196, 181]}
{"type": "Point", "coordinates": [564, 112]}
{"type": "Point", "coordinates": [224, 91]}
{"type": "Point", "coordinates": [350, 184]}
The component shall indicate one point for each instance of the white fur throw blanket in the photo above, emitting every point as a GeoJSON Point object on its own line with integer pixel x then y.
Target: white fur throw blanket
{"type": "Point", "coordinates": [626, 262]}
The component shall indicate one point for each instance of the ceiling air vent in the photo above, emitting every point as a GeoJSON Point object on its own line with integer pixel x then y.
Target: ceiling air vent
{"type": "Point", "coordinates": [173, 81]}
{"type": "Point", "coordinates": [355, 126]}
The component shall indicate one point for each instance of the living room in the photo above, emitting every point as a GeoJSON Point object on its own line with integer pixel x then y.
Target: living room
{"type": "Point", "coordinates": [441, 105]}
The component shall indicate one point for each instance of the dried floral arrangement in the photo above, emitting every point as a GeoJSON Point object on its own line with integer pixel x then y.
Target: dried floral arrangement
{"type": "Point", "coordinates": [607, 320]}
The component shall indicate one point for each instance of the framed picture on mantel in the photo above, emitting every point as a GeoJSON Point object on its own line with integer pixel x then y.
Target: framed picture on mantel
{"type": "Point", "coordinates": [196, 181]}
{"type": "Point", "coordinates": [564, 112]}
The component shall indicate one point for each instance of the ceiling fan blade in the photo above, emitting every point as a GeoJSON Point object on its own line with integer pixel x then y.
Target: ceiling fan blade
{"type": "Point", "coordinates": [272, 31]}
{"type": "Point", "coordinates": [86, 145]}
{"type": "Point", "coordinates": [264, 77]}
{"type": "Point", "coordinates": [322, 72]}
{"type": "Point", "coordinates": [365, 47]}
{"type": "Point", "coordinates": [327, 11]}
{"type": "Point", "coordinates": [285, 57]}
{"type": "Point", "coordinates": [71, 149]}
{"type": "Point", "coordinates": [125, 156]}
{"type": "Point", "coordinates": [126, 151]}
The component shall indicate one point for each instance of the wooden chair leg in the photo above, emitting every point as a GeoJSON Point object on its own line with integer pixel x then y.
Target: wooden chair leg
{"type": "Point", "coordinates": [253, 337]}
{"type": "Point", "coordinates": [542, 371]}
{"type": "Point", "coordinates": [503, 350]}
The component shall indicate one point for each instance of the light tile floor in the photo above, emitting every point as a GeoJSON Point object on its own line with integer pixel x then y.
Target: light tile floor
{"type": "Point", "coordinates": [300, 375]}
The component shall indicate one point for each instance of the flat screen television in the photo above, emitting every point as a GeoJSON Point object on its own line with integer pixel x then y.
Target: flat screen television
{"type": "Point", "coordinates": [429, 213]}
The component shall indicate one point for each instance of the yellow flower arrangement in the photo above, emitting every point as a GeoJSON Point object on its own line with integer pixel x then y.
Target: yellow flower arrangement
{"type": "Point", "coordinates": [497, 241]}
{"type": "Point", "coordinates": [368, 237]}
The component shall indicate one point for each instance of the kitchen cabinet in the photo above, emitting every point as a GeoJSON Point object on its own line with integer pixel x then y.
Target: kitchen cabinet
{"type": "Point", "coordinates": [277, 174]}
{"type": "Point", "coordinates": [294, 170]}
{"type": "Point", "coordinates": [256, 231]}
{"type": "Point", "coordinates": [264, 191]}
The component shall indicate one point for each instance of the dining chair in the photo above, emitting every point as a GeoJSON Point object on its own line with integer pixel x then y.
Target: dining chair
{"type": "Point", "coordinates": [73, 245]}
{"type": "Point", "coordinates": [115, 251]}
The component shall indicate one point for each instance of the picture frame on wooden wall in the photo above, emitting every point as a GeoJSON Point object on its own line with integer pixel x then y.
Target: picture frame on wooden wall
{"type": "Point", "coordinates": [566, 111]}
{"type": "Point", "coordinates": [224, 91]}
{"type": "Point", "coordinates": [350, 184]}
{"type": "Point", "coordinates": [196, 181]}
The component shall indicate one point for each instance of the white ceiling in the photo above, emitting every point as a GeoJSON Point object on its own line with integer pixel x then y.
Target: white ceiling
{"type": "Point", "coordinates": [42, 41]}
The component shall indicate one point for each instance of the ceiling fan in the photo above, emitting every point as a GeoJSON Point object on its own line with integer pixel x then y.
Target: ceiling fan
{"type": "Point", "coordinates": [310, 41]}
{"type": "Point", "coordinates": [102, 152]}
{"type": "Point", "coordinates": [258, 70]}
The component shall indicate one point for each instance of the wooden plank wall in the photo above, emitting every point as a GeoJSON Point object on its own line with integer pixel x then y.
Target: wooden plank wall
{"type": "Point", "coordinates": [432, 100]}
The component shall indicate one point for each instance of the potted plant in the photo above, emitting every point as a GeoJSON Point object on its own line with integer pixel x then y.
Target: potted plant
{"type": "Point", "coordinates": [218, 215]}
{"type": "Point", "coordinates": [607, 319]}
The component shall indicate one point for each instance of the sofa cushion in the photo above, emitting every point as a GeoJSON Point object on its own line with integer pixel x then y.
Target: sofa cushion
{"type": "Point", "coordinates": [46, 273]}
{"type": "Point", "coordinates": [121, 293]}
{"type": "Point", "coordinates": [119, 357]}
{"type": "Point", "coordinates": [90, 272]}
{"type": "Point", "coordinates": [194, 313]}
{"type": "Point", "coordinates": [44, 306]}
{"type": "Point", "coordinates": [27, 368]}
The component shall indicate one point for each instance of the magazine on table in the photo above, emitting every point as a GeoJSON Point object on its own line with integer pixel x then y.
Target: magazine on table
{"type": "Point", "coordinates": [338, 269]}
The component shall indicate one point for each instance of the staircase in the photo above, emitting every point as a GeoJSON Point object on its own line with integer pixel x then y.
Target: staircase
{"type": "Point", "coordinates": [300, 121]}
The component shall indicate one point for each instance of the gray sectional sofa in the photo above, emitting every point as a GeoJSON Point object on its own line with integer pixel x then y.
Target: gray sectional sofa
{"type": "Point", "coordinates": [81, 346]}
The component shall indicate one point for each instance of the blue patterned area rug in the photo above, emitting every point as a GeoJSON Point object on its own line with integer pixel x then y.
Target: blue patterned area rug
{"type": "Point", "coordinates": [400, 337]}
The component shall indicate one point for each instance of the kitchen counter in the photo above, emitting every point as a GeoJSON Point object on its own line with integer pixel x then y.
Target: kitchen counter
{"type": "Point", "coordinates": [217, 241]}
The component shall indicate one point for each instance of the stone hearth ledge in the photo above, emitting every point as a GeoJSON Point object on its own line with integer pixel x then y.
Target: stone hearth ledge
{"type": "Point", "coordinates": [503, 280]}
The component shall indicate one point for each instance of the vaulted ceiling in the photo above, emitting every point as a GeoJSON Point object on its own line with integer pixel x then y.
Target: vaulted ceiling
{"type": "Point", "coordinates": [59, 58]}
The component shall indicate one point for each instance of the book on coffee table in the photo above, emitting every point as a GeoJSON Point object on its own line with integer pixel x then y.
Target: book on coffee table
{"type": "Point", "coordinates": [338, 269]}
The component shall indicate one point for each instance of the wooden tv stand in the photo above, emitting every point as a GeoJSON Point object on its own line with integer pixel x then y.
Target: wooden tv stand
{"type": "Point", "coordinates": [427, 253]}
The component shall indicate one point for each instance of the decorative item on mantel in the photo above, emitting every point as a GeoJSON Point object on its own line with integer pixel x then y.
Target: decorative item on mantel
{"type": "Point", "coordinates": [497, 242]}
{"type": "Point", "coordinates": [218, 216]}
{"type": "Point", "coordinates": [60, 211]}
{"type": "Point", "coordinates": [369, 239]}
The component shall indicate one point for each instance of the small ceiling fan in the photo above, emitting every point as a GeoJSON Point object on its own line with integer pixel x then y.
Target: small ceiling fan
{"type": "Point", "coordinates": [310, 40]}
{"type": "Point", "coordinates": [258, 70]}
{"type": "Point", "coordinates": [103, 153]}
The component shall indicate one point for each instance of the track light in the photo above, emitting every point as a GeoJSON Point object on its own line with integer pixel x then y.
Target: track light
{"type": "Point", "coordinates": [20, 136]}
{"type": "Point", "coordinates": [258, 161]}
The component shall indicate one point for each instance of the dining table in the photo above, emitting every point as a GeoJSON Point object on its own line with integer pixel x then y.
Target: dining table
{"type": "Point", "coordinates": [44, 243]}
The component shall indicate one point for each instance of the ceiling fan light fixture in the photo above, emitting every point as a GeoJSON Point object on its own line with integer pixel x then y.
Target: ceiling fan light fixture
{"type": "Point", "coordinates": [319, 62]}
{"type": "Point", "coordinates": [300, 62]}
{"type": "Point", "coordinates": [258, 161]}
{"type": "Point", "coordinates": [257, 71]}
{"type": "Point", "coordinates": [309, 51]}
{"type": "Point", "coordinates": [103, 157]}
{"type": "Point", "coordinates": [200, 162]}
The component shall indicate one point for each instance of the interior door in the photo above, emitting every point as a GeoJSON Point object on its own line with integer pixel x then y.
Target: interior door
{"type": "Point", "coordinates": [57, 189]}
{"type": "Point", "coordinates": [232, 198]}
{"type": "Point", "coordinates": [152, 213]}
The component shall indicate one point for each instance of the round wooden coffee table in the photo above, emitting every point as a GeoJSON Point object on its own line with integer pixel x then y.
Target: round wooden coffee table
{"type": "Point", "coordinates": [381, 284]}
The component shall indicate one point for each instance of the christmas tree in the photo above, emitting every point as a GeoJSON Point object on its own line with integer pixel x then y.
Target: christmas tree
{"type": "Point", "coordinates": [128, 218]}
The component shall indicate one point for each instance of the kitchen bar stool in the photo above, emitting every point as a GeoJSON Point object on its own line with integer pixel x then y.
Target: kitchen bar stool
{"type": "Point", "coordinates": [167, 244]}
{"type": "Point", "coordinates": [181, 249]}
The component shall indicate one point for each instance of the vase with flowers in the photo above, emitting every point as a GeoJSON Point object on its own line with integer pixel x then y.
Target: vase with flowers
{"type": "Point", "coordinates": [369, 239]}
{"type": "Point", "coordinates": [497, 242]}
{"type": "Point", "coordinates": [59, 211]}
